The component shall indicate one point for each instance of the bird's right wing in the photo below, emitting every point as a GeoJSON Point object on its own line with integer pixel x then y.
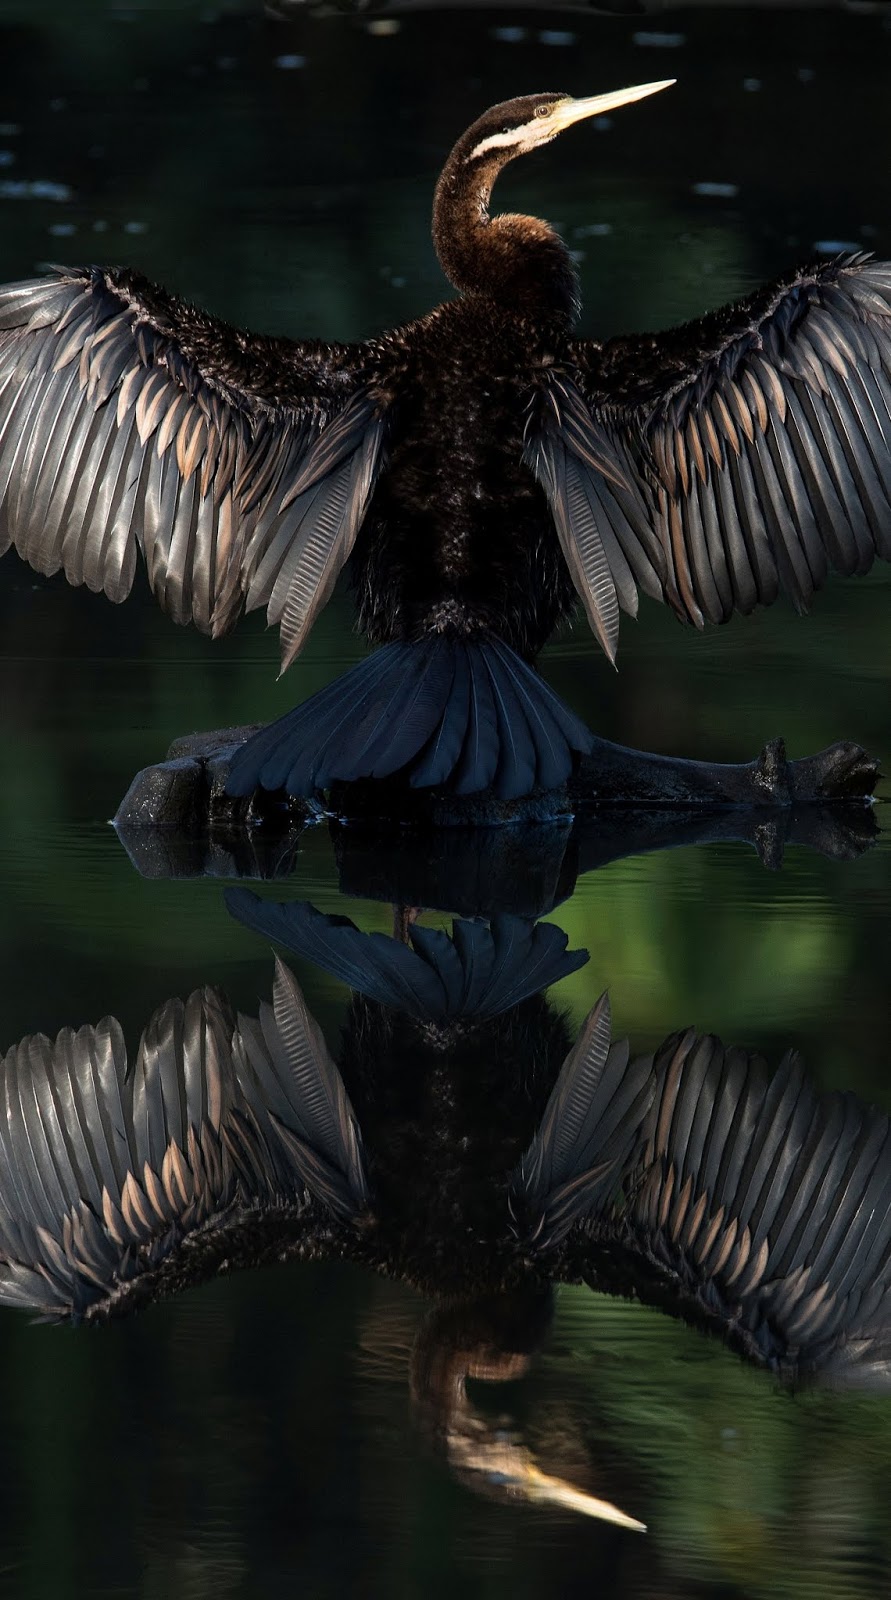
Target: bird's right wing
{"type": "Point", "coordinates": [766, 1206]}
{"type": "Point", "coordinates": [241, 467]}
{"type": "Point", "coordinates": [743, 1202]}
{"type": "Point", "coordinates": [228, 1136]}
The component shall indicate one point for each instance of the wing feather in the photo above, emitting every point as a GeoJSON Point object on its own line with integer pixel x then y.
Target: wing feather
{"type": "Point", "coordinates": [591, 1126]}
{"type": "Point", "coordinates": [762, 1208]}
{"type": "Point", "coordinates": [753, 449]}
{"type": "Point", "coordinates": [241, 469]}
{"type": "Point", "coordinates": [120, 1183]}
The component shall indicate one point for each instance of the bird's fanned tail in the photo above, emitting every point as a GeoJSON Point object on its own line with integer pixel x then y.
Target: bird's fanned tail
{"type": "Point", "coordinates": [480, 971]}
{"type": "Point", "coordinates": [463, 715]}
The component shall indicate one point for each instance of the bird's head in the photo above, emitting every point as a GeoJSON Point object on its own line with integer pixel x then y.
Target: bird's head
{"type": "Point", "coordinates": [517, 126]}
{"type": "Point", "coordinates": [519, 260]}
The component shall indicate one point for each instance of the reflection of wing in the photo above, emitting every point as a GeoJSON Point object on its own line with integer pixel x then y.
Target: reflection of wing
{"type": "Point", "coordinates": [129, 420]}
{"type": "Point", "coordinates": [749, 1204]}
{"type": "Point", "coordinates": [591, 1124]}
{"type": "Point", "coordinates": [117, 1187]}
{"type": "Point", "coordinates": [713, 465]}
{"type": "Point", "coordinates": [767, 1207]}
{"type": "Point", "coordinates": [299, 1086]}
{"type": "Point", "coordinates": [481, 971]}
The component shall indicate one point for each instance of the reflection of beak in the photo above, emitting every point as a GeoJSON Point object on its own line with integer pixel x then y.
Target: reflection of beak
{"type": "Point", "coordinates": [540, 1486]}
{"type": "Point", "coordinates": [570, 111]}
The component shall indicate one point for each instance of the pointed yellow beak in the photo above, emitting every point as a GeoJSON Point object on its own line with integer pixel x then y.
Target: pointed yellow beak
{"type": "Point", "coordinates": [555, 1492]}
{"type": "Point", "coordinates": [570, 111]}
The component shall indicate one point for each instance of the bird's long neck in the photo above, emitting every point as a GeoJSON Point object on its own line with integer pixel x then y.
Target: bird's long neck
{"type": "Point", "coordinates": [518, 261]}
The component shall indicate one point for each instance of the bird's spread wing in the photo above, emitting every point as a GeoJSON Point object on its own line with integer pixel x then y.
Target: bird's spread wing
{"type": "Point", "coordinates": [748, 1203]}
{"type": "Point", "coordinates": [120, 1184]}
{"type": "Point", "coordinates": [768, 1206]}
{"type": "Point", "coordinates": [718, 463]}
{"type": "Point", "coordinates": [240, 467]}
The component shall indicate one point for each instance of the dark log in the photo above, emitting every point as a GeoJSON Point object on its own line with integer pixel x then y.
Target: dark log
{"type": "Point", "coordinates": [187, 790]}
{"type": "Point", "coordinates": [413, 848]}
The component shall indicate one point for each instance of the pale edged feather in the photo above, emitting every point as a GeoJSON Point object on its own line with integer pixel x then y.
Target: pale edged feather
{"type": "Point", "coordinates": [759, 452]}
{"type": "Point", "coordinates": [98, 378]}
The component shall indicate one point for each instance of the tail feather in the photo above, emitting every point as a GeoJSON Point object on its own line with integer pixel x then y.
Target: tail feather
{"type": "Point", "coordinates": [440, 757]}
{"type": "Point", "coordinates": [548, 743]}
{"type": "Point", "coordinates": [283, 756]}
{"type": "Point", "coordinates": [517, 761]}
{"type": "Point", "coordinates": [410, 716]}
{"type": "Point", "coordinates": [554, 715]}
{"type": "Point", "coordinates": [464, 715]}
{"type": "Point", "coordinates": [478, 763]}
{"type": "Point", "coordinates": [479, 972]}
{"type": "Point", "coordinates": [342, 715]}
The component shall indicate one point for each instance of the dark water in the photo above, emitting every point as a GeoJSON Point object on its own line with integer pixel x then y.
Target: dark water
{"type": "Point", "coordinates": [255, 1436]}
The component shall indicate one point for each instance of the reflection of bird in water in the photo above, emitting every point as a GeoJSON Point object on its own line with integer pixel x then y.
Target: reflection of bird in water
{"type": "Point", "coordinates": [481, 468]}
{"type": "Point", "coordinates": [448, 1147]}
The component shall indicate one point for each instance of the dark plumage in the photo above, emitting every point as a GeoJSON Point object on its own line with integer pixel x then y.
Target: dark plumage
{"type": "Point", "coordinates": [483, 970]}
{"type": "Point", "coordinates": [481, 469]}
{"type": "Point", "coordinates": [452, 1150]}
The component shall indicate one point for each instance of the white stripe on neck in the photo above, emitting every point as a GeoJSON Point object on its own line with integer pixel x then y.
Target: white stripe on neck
{"type": "Point", "coordinates": [503, 141]}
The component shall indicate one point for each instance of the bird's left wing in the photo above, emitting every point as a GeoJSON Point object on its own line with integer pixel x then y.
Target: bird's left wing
{"type": "Point", "coordinates": [239, 466]}
{"type": "Point", "coordinates": [715, 464]}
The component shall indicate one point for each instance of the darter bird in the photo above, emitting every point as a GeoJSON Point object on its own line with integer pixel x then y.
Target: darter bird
{"type": "Point", "coordinates": [480, 470]}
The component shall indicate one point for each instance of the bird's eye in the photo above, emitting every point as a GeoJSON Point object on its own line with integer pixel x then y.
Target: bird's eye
{"type": "Point", "coordinates": [542, 111]}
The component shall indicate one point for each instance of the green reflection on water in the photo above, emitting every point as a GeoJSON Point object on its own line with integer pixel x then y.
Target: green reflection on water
{"type": "Point", "coordinates": [732, 1465]}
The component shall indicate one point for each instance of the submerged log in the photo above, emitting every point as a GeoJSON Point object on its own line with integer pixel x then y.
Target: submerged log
{"type": "Point", "coordinates": [187, 790]}
{"type": "Point", "coordinates": [176, 820]}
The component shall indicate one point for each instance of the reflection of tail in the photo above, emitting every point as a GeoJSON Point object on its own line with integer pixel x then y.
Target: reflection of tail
{"type": "Point", "coordinates": [462, 714]}
{"type": "Point", "coordinates": [479, 972]}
